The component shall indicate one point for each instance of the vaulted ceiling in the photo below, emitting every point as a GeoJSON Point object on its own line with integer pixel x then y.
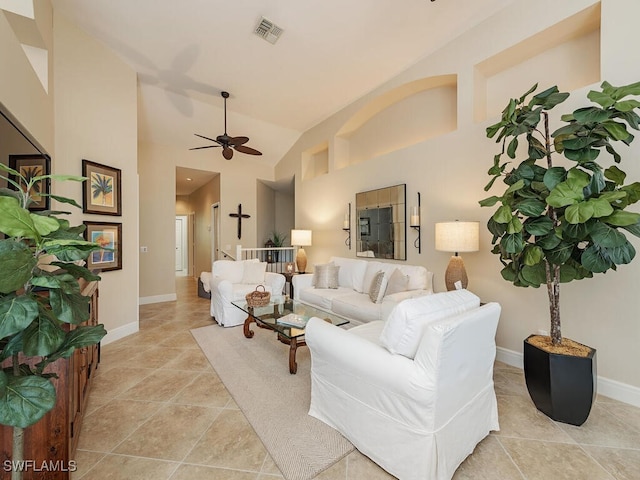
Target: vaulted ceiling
{"type": "Point", "coordinates": [330, 53]}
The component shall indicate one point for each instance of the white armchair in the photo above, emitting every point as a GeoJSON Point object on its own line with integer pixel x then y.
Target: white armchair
{"type": "Point", "coordinates": [232, 280]}
{"type": "Point", "coordinates": [420, 417]}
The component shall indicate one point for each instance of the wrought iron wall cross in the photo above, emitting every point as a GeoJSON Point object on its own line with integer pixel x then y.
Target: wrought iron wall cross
{"type": "Point", "coordinates": [239, 216]}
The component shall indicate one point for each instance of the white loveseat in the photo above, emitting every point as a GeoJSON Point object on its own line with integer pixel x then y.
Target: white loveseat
{"type": "Point", "coordinates": [351, 296]}
{"type": "Point", "coordinates": [232, 280]}
{"type": "Point", "coordinates": [415, 393]}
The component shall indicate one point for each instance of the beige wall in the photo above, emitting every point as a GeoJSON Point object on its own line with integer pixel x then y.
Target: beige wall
{"type": "Point", "coordinates": [201, 201]}
{"type": "Point", "coordinates": [85, 124]}
{"type": "Point", "coordinates": [96, 119]}
{"type": "Point", "coordinates": [450, 172]}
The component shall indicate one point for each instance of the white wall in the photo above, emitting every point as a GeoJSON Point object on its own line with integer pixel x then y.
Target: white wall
{"type": "Point", "coordinates": [450, 172]}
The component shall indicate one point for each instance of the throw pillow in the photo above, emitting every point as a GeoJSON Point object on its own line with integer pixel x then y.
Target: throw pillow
{"type": "Point", "coordinates": [378, 287]}
{"type": "Point", "coordinates": [254, 272]}
{"type": "Point", "coordinates": [408, 321]}
{"type": "Point", "coordinates": [398, 282]}
{"type": "Point", "coordinates": [326, 276]}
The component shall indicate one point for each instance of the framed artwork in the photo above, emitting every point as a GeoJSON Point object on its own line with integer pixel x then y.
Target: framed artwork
{"type": "Point", "coordinates": [101, 191]}
{"type": "Point", "coordinates": [109, 236]}
{"type": "Point", "coordinates": [29, 166]}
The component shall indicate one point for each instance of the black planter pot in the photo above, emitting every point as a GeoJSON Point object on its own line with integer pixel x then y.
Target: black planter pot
{"type": "Point", "coordinates": [563, 387]}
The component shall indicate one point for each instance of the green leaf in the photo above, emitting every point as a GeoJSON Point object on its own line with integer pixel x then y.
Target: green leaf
{"type": "Point", "coordinates": [577, 232]}
{"type": "Point", "coordinates": [627, 105]}
{"type": "Point", "coordinates": [531, 207]}
{"type": "Point", "coordinates": [591, 115]}
{"type": "Point", "coordinates": [620, 218]}
{"type": "Point", "coordinates": [503, 214]}
{"type": "Point", "coordinates": [42, 337]}
{"type": "Point", "coordinates": [560, 254]}
{"type": "Point", "coordinates": [17, 262]}
{"type": "Point", "coordinates": [579, 212]}
{"type": "Point", "coordinates": [509, 274]}
{"type": "Point", "coordinates": [70, 307]}
{"type": "Point", "coordinates": [618, 131]}
{"type": "Point", "coordinates": [16, 313]}
{"type": "Point", "coordinates": [633, 229]}
{"type": "Point", "coordinates": [616, 175]}
{"type": "Point", "coordinates": [633, 192]}
{"type": "Point", "coordinates": [16, 221]}
{"type": "Point", "coordinates": [554, 176]}
{"type": "Point", "coordinates": [581, 155]}
{"type": "Point", "coordinates": [514, 225]}
{"type": "Point", "coordinates": [532, 255]}
{"type": "Point", "coordinates": [493, 129]}
{"type": "Point", "coordinates": [527, 93]}
{"type": "Point", "coordinates": [538, 226]}
{"type": "Point", "coordinates": [512, 242]}
{"type": "Point", "coordinates": [536, 149]}
{"type": "Point", "coordinates": [25, 400]}
{"type": "Point", "coordinates": [601, 207]}
{"type": "Point", "coordinates": [565, 193]}
{"type": "Point", "coordinates": [622, 254]}
{"type": "Point", "coordinates": [594, 260]}
{"type": "Point", "coordinates": [497, 229]}
{"type": "Point", "coordinates": [489, 202]}
{"type": "Point", "coordinates": [79, 337]}
{"type": "Point", "coordinates": [513, 146]}
{"type": "Point", "coordinates": [549, 241]}
{"type": "Point", "coordinates": [605, 236]}
{"type": "Point", "coordinates": [601, 98]}
{"type": "Point", "coordinates": [515, 187]}
{"type": "Point", "coordinates": [77, 271]}
{"type": "Point", "coordinates": [44, 225]}
{"type": "Point", "coordinates": [70, 201]}
{"type": "Point", "coordinates": [70, 250]}
{"type": "Point", "coordinates": [534, 275]}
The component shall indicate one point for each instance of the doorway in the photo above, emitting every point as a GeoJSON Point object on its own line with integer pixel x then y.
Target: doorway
{"type": "Point", "coordinates": [182, 246]}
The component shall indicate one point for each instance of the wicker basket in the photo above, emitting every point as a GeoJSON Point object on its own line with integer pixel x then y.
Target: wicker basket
{"type": "Point", "coordinates": [258, 298]}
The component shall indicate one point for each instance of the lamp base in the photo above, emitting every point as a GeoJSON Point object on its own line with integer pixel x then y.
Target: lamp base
{"type": "Point", "coordinates": [455, 273]}
{"type": "Point", "coordinates": [301, 260]}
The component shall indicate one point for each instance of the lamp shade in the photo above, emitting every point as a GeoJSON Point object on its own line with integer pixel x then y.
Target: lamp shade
{"type": "Point", "coordinates": [457, 236]}
{"type": "Point", "coordinates": [301, 238]}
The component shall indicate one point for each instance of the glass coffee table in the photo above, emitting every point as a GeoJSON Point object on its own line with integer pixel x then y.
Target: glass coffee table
{"type": "Point", "coordinates": [287, 319]}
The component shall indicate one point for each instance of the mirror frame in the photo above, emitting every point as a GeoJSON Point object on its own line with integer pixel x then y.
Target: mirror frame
{"type": "Point", "coordinates": [388, 238]}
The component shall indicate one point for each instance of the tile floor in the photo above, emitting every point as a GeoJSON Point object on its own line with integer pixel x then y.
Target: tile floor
{"type": "Point", "coordinates": [157, 410]}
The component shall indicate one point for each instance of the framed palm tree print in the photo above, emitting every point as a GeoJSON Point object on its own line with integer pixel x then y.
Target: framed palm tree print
{"type": "Point", "coordinates": [101, 192]}
{"type": "Point", "coordinates": [30, 167]}
{"type": "Point", "coordinates": [109, 237]}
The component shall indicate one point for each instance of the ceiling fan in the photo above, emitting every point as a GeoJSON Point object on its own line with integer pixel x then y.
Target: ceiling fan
{"type": "Point", "coordinates": [228, 143]}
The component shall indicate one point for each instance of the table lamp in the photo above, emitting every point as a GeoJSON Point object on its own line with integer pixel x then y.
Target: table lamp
{"type": "Point", "coordinates": [457, 237]}
{"type": "Point", "coordinates": [301, 238]}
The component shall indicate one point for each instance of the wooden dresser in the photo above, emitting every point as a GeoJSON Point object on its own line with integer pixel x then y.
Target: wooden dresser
{"type": "Point", "coordinates": [53, 439]}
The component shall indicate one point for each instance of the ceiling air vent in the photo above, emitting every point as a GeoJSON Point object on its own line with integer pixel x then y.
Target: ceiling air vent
{"type": "Point", "coordinates": [268, 30]}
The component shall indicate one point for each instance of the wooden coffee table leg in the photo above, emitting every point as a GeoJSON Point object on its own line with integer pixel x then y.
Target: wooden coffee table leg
{"type": "Point", "coordinates": [247, 327]}
{"type": "Point", "coordinates": [293, 348]}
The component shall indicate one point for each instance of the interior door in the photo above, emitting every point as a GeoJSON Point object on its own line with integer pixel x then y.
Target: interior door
{"type": "Point", "coordinates": [179, 245]}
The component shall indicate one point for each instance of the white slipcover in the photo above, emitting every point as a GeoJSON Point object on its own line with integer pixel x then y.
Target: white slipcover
{"type": "Point", "coordinates": [418, 419]}
{"type": "Point", "coordinates": [226, 288]}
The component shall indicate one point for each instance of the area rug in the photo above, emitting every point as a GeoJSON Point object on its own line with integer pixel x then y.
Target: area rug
{"type": "Point", "coordinates": [256, 373]}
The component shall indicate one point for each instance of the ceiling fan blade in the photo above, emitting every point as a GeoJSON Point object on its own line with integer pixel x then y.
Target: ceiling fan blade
{"type": "Point", "coordinates": [206, 138]}
{"type": "Point", "coordinates": [238, 140]}
{"type": "Point", "coordinates": [249, 150]}
{"type": "Point", "coordinates": [227, 153]}
{"type": "Point", "coordinates": [208, 146]}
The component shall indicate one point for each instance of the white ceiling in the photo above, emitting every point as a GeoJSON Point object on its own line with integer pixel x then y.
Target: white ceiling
{"type": "Point", "coordinates": [330, 54]}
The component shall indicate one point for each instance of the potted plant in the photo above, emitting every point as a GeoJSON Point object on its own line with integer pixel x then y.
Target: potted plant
{"type": "Point", "coordinates": [40, 264]}
{"type": "Point", "coordinates": [556, 223]}
{"type": "Point", "coordinates": [276, 240]}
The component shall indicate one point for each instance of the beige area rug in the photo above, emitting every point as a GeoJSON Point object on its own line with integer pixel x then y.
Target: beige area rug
{"type": "Point", "coordinates": [256, 373]}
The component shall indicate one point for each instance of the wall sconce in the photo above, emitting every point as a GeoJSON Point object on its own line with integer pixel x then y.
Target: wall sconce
{"type": "Point", "coordinates": [457, 237]}
{"type": "Point", "coordinates": [414, 222]}
{"type": "Point", "coordinates": [346, 226]}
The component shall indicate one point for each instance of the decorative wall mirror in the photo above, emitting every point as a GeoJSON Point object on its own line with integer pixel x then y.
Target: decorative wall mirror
{"type": "Point", "coordinates": [381, 223]}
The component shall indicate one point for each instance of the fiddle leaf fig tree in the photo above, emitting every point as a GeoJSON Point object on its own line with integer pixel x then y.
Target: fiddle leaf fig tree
{"type": "Point", "coordinates": [40, 298]}
{"type": "Point", "coordinates": [555, 223]}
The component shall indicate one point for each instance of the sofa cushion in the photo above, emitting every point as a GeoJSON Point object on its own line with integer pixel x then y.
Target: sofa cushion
{"type": "Point", "coordinates": [398, 282]}
{"type": "Point", "coordinates": [351, 273]}
{"type": "Point", "coordinates": [378, 287]}
{"type": "Point", "coordinates": [356, 306]}
{"type": "Point", "coordinates": [326, 276]}
{"type": "Point", "coordinates": [419, 277]}
{"type": "Point", "coordinates": [369, 331]}
{"type": "Point", "coordinates": [253, 272]}
{"type": "Point", "coordinates": [409, 319]}
{"type": "Point", "coordinates": [323, 297]}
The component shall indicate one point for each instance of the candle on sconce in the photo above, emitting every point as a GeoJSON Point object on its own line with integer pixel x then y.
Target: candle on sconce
{"type": "Point", "coordinates": [415, 217]}
{"type": "Point", "coordinates": [345, 224]}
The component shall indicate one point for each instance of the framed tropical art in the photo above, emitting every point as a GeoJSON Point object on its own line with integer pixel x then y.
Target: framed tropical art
{"type": "Point", "coordinates": [31, 166]}
{"type": "Point", "coordinates": [101, 192]}
{"type": "Point", "coordinates": [109, 237]}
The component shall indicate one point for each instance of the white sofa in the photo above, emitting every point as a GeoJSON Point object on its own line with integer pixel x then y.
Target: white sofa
{"type": "Point", "coordinates": [417, 417]}
{"type": "Point", "coordinates": [232, 280]}
{"type": "Point", "coordinates": [351, 298]}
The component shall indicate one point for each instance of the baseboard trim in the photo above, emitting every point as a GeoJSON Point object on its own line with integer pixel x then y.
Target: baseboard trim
{"type": "Point", "coordinates": [609, 388]}
{"type": "Point", "coordinates": [169, 297]}
{"type": "Point", "coordinates": [120, 332]}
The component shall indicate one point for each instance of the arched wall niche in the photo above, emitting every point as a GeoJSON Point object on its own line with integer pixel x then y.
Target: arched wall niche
{"type": "Point", "coordinates": [404, 116]}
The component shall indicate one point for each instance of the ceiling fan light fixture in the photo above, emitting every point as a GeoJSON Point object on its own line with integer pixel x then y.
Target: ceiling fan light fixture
{"type": "Point", "coordinates": [268, 30]}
